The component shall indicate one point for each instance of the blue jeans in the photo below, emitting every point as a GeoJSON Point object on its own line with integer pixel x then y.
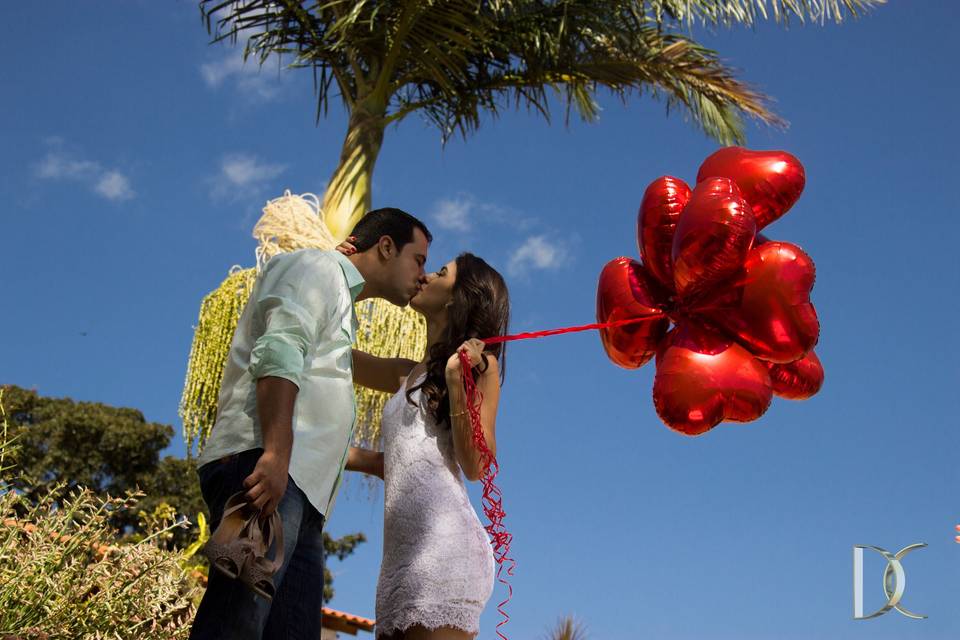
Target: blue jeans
{"type": "Point", "coordinates": [229, 608]}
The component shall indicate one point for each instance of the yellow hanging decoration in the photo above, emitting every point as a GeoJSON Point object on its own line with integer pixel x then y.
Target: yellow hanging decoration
{"type": "Point", "coordinates": [219, 313]}
{"type": "Point", "coordinates": [289, 223]}
{"type": "Point", "coordinates": [387, 331]}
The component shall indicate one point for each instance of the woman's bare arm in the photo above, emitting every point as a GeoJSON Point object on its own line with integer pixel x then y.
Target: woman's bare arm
{"type": "Point", "coordinates": [488, 384]}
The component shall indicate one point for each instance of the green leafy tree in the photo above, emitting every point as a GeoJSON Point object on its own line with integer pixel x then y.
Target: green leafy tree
{"type": "Point", "coordinates": [109, 451]}
{"type": "Point", "coordinates": [338, 548]}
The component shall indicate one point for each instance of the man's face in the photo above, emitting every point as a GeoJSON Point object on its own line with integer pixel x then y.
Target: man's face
{"type": "Point", "coordinates": [406, 270]}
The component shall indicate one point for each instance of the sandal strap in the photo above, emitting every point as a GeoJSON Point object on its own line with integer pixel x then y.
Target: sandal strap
{"type": "Point", "coordinates": [276, 532]}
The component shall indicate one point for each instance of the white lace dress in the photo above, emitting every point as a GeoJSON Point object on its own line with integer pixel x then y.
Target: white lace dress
{"type": "Point", "coordinates": [438, 565]}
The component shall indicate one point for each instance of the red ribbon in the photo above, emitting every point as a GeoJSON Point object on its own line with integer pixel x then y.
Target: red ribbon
{"type": "Point", "coordinates": [492, 499]}
{"type": "Point", "coordinates": [584, 327]}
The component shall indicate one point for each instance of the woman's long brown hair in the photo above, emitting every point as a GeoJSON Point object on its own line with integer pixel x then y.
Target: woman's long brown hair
{"type": "Point", "coordinates": [480, 309]}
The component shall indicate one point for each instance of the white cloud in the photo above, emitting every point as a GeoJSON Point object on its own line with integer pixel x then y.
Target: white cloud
{"type": "Point", "coordinates": [537, 252]}
{"type": "Point", "coordinates": [251, 79]}
{"type": "Point", "coordinates": [464, 212]}
{"type": "Point", "coordinates": [540, 250]}
{"type": "Point", "coordinates": [113, 185]}
{"type": "Point", "coordinates": [453, 215]}
{"type": "Point", "coordinates": [214, 73]}
{"type": "Point", "coordinates": [59, 164]}
{"type": "Point", "coordinates": [243, 176]}
{"type": "Point", "coordinates": [244, 170]}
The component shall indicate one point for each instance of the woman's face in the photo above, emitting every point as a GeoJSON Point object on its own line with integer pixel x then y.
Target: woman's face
{"type": "Point", "coordinates": [437, 293]}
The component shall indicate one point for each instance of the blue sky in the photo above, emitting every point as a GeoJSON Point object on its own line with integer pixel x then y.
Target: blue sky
{"type": "Point", "coordinates": [136, 158]}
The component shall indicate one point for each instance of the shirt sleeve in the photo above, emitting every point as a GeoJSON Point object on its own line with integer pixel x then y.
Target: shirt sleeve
{"type": "Point", "coordinates": [296, 299]}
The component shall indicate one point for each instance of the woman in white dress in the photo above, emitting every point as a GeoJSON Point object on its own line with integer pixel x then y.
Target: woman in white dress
{"type": "Point", "coordinates": [438, 567]}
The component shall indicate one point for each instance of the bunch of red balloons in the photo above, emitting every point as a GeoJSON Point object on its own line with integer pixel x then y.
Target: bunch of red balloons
{"type": "Point", "coordinates": [725, 311]}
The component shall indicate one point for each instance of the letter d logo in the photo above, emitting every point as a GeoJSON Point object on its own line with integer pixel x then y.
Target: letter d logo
{"type": "Point", "coordinates": [894, 581]}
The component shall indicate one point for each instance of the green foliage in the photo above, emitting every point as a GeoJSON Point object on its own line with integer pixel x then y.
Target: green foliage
{"type": "Point", "coordinates": [748, 12]}
{"type": "Point", "coordinates": [66, 447]}
{"type": "Point", "coordinates": [7, 443]}
{"type": "Point", "coordinates": [567, 628]}
{"type": "Point", "coordinates": [104, 449]}
{"type": "Point", "coordinates": [61, 576]}
{"type": "Point", "coordinates": [455, 60]}
{"type": "Point", "coordinates": [338, 548]}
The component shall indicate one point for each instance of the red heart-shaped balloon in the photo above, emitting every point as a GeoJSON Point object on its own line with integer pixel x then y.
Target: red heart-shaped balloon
{"type": "Point", "coordinates": [662, 203]}
{"type": "Point", "coordinates": [712, 238]}
{"type": "Point", "coordinates": [797, 380]}
{"type": "Point", "coordinates": [767, 306]}
{"type": "Point", "coordinates": [771, 181]}
{"type": "Point", "coordinates": [625, 291]}
{"type": "Point", "coordinates": [704, 378]}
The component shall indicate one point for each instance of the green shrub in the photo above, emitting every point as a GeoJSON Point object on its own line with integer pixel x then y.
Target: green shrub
{"type": "Point", "coordinates": [63, 574]}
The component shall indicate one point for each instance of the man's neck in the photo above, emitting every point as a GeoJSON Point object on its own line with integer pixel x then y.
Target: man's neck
{"type": "Point", "coordinates": [362, 263]}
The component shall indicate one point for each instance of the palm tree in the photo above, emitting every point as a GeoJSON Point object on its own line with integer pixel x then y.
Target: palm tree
{"type": "Point", "coordinates": [451, 62]}
{"type": "Point", "coordinates": [567, 628]}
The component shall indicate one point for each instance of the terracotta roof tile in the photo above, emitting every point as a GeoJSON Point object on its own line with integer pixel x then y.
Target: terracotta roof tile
{"type": "Point", "coordinates": [365, 624]}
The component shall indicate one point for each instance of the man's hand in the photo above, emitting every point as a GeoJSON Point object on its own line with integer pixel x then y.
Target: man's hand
{"type": "Point", "coordinates": [266, 485]}
{"type": "Point", "coordinates": [268, 482]}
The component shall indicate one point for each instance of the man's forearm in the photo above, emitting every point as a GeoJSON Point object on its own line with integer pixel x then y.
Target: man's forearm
{"type": "Point", "coordinates": [365, 461]}
{"type": "Point", "coordinates": [275, 401]}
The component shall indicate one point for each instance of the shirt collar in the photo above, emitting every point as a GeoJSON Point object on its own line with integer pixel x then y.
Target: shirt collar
{"type": "Point", "coordinates": [355, 281]}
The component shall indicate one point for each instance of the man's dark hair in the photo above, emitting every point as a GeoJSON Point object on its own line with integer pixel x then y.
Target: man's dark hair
{"type": "Point", "coordinates": [397, 224]}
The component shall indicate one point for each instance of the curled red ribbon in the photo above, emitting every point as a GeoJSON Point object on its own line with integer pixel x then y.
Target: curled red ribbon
{"type": "Point", "coordinates": [492, 499]}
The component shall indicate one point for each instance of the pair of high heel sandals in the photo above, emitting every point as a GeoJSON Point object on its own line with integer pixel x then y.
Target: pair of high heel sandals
{"type": "Point", "coordinates": [239, 547]}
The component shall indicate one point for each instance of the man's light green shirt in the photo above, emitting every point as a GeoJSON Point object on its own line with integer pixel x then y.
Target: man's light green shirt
{"type": "Point", "coordinates": [300, 325]}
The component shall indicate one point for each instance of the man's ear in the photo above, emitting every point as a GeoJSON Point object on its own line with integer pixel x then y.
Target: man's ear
{"type": "Point", "coordinates": [386, 247]}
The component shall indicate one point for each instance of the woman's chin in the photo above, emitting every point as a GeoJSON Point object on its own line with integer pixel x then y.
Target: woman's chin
{"type": "Point", "coordinates": [415, 304]}
{"type": "Point", "coordinates": [424, 308]}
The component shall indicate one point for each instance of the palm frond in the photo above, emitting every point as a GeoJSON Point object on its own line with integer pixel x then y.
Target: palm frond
{"type": "Point", "coordinates": [567, 628]}
{"type": "Point", "coordinates": [748, 12]}
{"type": "Point", "coordinates": [317, 38]}
{"type": "Point", "coordinates": [455, 60]}
{"type": "Point", "coordinates": [578, 49]}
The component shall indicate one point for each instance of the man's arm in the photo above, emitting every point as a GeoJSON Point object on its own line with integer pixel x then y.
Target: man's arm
{"type": "Point", "coordinates": [294, 301]}
{"type": "Point", "coordinates": [382, 374]}
{"type": "Point", "coordinates": [268, 481]}
{"type": "Point", "coordinates": [365, 461]}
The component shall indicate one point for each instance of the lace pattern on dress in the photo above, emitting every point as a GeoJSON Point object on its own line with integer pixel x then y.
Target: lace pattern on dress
{"type": "Point", "coordinates": [438, 565]}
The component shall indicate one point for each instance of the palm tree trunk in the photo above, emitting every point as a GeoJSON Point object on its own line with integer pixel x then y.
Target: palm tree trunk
{"type": "Point", "coordinates": [348, 194]}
